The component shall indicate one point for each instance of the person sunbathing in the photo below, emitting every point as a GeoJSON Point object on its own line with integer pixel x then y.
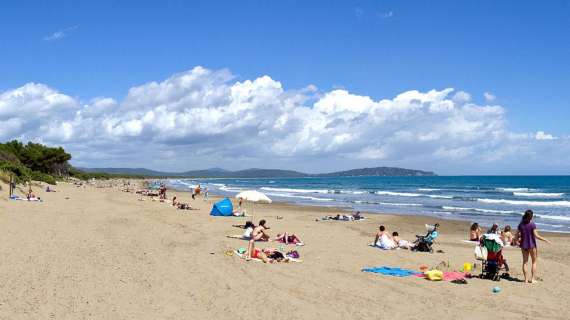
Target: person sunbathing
{"type": "Point", "coordinates": [267, 255]}
{"type": "Point", "coordinates": [341, 217]}
{"type": "Point", "coordinates": [238, 213]}
{"type": "Point", "coordinates": [289, 239]}
{"type": "Point", "coordinates": [383, 240]}
{"type": "Point", "coordinates": [259, 233]}
{"type": "Point", "coordinates": [401, 243]}
{"type": "Point", "coordinates": [184, 206]}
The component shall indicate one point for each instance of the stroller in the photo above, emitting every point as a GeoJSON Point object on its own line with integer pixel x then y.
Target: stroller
{"type": "Point", "coordinates": [425, 243]}
{"type": "Point", "coordinates": [490, 252]}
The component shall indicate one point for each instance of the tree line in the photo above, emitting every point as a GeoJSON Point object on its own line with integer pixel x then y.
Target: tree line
{"type": "Point", "coordinates": [35, 161]}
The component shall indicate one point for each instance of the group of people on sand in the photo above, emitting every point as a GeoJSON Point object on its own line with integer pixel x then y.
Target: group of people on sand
{"type": "Point", "coordinates": [506, 235]}
{"type": "Point", "coordinates": [345, 217]}
{"type": "Point", "coordinates": [260, 232]}
{"type": "Point", "coordinates": [525, 237]}
{"type": "Point", "coordinates": [388, 241]}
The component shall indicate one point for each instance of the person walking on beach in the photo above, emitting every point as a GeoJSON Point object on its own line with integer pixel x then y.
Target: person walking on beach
{"type": "Point", "coordinates": [527, 236]}
{"type": "Point", "coordinates": [205, 194]}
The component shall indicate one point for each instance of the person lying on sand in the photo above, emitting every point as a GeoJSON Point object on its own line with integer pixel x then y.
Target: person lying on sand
{"type": "Point", "coordinates": [243, 226]}
{"type": "Point", "coordinates": [184, 206]}
{"type": "Point", "coordinates": [289, 239]}
{"type": "Point", "coordinates": [267, 255]}
{"type": "Point", "coordinates": [345, 217]}
{"type": "Point", "coordinates": [259, 233]}
{"type": "Point", "coordinates": [401, 243]}
{"type": "Point", "coordinates": [238, 213]}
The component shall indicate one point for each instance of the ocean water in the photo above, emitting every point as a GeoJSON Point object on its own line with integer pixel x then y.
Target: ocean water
{"type": "Point", "coordinates": [482, 199]}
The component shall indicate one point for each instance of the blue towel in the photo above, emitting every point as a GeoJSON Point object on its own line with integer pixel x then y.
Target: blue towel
{"type": "Point", "coordinates": [395, 272]}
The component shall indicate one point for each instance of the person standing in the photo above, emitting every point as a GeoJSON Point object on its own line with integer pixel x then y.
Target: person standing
{"type": "Point", "coordinates": [206, 194]}
{"type": "Point", "coordinates": [526, 236]}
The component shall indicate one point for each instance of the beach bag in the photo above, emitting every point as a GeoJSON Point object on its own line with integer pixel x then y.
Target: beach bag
{"type": "Point", "coordinates": [293, 254]}
{"type": "Point", "coordinates": [480, 253]}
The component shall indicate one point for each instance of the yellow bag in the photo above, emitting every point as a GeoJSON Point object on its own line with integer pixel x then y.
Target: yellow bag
{"type": "Point", "coordinates": [434, 275]}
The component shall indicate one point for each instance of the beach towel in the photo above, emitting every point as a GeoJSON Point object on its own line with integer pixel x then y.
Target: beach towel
{"type": "Point", "coordinates": [25, 199]}
{"type": "Point", "coordinates": [447, 276]}
{"type": "Point", "coordinates": [389, 271]}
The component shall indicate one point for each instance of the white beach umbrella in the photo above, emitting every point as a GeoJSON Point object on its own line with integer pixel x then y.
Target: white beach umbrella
{"type": "Point", "coordinates": [255, 197]}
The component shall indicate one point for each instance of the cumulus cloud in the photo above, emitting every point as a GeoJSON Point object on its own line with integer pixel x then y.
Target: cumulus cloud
{"type": "Point", "coordinates": [541, 135]}
{"type": "Point", "coordinates": [489, 97]}
{"type": "Point", "coordinates": [204, 115]}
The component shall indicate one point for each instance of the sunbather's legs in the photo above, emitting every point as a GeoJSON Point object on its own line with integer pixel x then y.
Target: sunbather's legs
{"type": "Point", "coordinates": [525, 254]}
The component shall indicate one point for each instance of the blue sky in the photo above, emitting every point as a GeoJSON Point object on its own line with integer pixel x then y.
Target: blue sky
{"type": "Point", "coordinates": [515, 50]}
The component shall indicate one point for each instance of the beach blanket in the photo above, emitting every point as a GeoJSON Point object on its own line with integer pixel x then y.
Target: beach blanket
{"type": "Point", "coordinates": [389, 271]}
{"type": "Point", "coordinates": [25, 199]}
{"type": "Point", "coordinates": [447, 276]}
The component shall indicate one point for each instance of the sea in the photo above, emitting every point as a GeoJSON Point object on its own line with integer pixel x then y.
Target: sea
{"type": "Point", "coordinates": [482, 199]}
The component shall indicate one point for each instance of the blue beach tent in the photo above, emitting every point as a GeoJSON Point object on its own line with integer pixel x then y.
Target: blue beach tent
{"type": "Point", "coordinates": [222, 208]}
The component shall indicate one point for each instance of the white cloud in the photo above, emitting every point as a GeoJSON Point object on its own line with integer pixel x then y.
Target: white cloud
{"type": "Point", "coordinates": [387, 15]}
{"type": "Point", "coordinates": [489, 97]}
{"type": "Point", "coordinates": [58, 35]}
{"type": "Point", "coordinates": [205, 117]}
{"type": "Point", "coordinates": [462, 97]}
{"type": "Point", "coordinates": [541, 135]}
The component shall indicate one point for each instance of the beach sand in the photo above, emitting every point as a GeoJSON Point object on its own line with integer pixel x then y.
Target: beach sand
{"type": "Point", "coordinates": [99, 253]}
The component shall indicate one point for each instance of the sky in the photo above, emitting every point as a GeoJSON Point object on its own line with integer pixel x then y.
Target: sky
{"type": "Point", "coordinates": [456, 87]}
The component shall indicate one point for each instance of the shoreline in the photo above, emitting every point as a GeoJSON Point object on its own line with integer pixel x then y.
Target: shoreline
{"type": "Point", "coordinates": [486, 201]}
{"type": "Point", "coordinates": [341, 209]}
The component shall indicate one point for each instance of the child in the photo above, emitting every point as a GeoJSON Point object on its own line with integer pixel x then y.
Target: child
{"type": "Point", "coordinates": [507, 236]}
{"type": "Point", "coordinates": [475, 232]}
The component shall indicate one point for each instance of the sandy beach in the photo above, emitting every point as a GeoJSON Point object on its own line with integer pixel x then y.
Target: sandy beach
{"type": "Point", "coordinates": [99, 253]}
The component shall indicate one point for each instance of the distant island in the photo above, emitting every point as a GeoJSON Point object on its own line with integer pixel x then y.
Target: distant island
{"type": "Point", "coordinates": [263, 173]}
